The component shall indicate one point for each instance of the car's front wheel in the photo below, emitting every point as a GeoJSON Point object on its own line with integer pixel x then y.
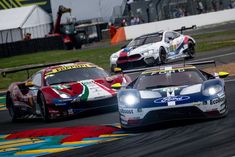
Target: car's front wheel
{"type": "Point", "coordinates": [43, 107]}
{"type": "Point", "coordinates": [162, 55]}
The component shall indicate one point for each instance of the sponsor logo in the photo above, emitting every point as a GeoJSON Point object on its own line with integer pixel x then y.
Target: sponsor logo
{"type": "Point", "coordinates": [217, 100]}
{"type": "Point", "coordinates": [124, 111]}
{"type": "Point", "coordinates": [172, 98]}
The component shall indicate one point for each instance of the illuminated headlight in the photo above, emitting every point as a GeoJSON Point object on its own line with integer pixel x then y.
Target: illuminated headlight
{"type": "Point", "coordinates": [131, 100]}
{"type": "Point", "coordinates": [212, 90]}
{"type": "Point", "coordinates": [63, 95]}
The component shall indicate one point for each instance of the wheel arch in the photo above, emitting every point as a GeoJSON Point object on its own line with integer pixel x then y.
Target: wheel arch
{"type": "Point", "coordinates": [192, 40]}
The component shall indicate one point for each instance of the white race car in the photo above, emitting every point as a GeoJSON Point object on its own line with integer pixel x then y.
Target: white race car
{"type": "Point", "coordinates": [152, 49]}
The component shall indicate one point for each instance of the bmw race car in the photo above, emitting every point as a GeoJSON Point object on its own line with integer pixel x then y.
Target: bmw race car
{"type": "Point", "coordinates": [152, 49]}
{"type": "Point", "coordinates": [63, 90]}
{"type": "Point", "coordinates": [172, 93]}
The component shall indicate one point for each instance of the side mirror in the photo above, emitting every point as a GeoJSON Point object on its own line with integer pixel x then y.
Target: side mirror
{"type": "Point", "coordinates": [29, 84]}
{"type": "Point", "coordinates": [116, 86]}
{"type": "Point", "coordinates": [117, 70]}
{"type": "Point", "coordinates": [223, 74]}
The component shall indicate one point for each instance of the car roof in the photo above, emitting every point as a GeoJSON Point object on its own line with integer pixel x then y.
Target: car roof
{"type": "Point", "coordinates": [168, 68]}
{"type": "Point", "coordinates": [57, 68]}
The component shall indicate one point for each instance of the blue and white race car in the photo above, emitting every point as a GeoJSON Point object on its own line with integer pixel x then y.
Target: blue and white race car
{"type": "Point", "coordinates": [153, 49]}
{"type": "Point", "coordinates": [172, 93]}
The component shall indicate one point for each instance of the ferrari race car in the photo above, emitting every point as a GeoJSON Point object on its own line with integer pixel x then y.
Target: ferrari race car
{"type": "Point", "coordinates": [63, 90]}
{"type": "Point", "coordinates": [152, 49]}
{"type": "Point", "coordinates": [172, 93]}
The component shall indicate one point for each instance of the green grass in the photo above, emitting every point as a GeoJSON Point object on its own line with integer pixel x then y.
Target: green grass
{"type": "Point", "coordinates": [98, 56]}
{"type": "Point", "coordinates": [208, 46]}
{"type": "Point", "coordinates": [213, 34]}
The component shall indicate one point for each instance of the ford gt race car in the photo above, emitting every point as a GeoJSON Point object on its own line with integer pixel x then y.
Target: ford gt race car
{"type": "Point", "coordinates": [172, 93]}
{"type": "Point", "coordinates": [152, 49]}
{"type": "Point", "coordinates": [63, 90]}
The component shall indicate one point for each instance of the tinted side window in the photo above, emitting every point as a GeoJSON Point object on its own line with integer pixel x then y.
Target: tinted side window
{"type": "Point", "coordinates": [169, 35]}
{"type": "Point", "coordinates": [175, 34]}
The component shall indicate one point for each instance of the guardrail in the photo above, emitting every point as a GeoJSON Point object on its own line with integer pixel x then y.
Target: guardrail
{"type": "Point", "coordinates": [31, 46]}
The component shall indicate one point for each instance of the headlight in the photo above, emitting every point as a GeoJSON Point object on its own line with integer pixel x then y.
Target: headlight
{"type": "Point", "coordinates": [212, 90]}
{"type": "Point", "coordinates": [63, 95]}
{"type": "Point", "coordinates": [129, 99]}
{"type": "Point", "coordinates": [148, 52]}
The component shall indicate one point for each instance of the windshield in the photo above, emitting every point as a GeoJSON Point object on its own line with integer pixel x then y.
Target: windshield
{"type": "Point", "coordinates": [145, 40]}
{"type": "Point", "coordinates": [74, 75]}
{"type": "Point", "coordinates": [169, 78]}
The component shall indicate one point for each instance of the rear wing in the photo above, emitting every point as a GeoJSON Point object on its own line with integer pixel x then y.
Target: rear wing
{"type": "Point", "coordinates": [183, 28]}
{"type": "Point", "coordinates": [6, 71]}
{"type": "Point", "coordinates": [185, 63]}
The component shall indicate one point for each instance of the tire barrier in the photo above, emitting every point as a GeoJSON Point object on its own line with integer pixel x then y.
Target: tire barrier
{"type": "Point", "coordinates": [31, 46]}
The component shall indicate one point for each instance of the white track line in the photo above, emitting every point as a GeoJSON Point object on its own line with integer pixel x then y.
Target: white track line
{"type": "Point", "coordinates": [212, 57]}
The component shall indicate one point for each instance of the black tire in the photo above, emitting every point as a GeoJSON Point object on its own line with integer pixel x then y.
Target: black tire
{"type": "Point", "coordinates": [191, 50]}
{"type": "Point", "coordinates": [43, 107]}
{"type": "Point", "coordinates": [11, 108]}
{"type": "Point", "coordinates": [162, 55]}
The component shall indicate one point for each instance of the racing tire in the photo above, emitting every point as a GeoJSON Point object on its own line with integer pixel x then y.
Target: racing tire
{"type": "Point", "coordinates": [191, 50]}
{"type": "Point", "coordinates": [43, 108]}
{"type": "Point", "coordinates": [12, 109]}
{"type": "Point", "coordinates": [162, 55]}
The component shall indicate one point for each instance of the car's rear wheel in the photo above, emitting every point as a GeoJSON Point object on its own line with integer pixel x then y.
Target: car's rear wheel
{"type": "Point", "coordinates": [11, 108]}
{"type": "Point", "coordinates": [43, 107]}
{"type": "Point", "coordinates": [191, 50]}
{"type": "Point", "coordinates": [162, 55]}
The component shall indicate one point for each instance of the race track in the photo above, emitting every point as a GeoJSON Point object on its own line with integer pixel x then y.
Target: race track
{"type": "Point", "coordinates": [185, 138]}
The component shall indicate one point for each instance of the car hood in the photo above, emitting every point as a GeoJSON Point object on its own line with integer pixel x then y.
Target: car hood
{"type": "Point", "coordinates": [140, 49]}
{"type": "Point", "coordinates": [171, 91]}
{"type": "Point", "coordinates": [86, 90]}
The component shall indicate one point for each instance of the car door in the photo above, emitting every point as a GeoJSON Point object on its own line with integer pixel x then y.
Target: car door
{"type": "Point", "coordinates": [173, 41]}
{"type": "Point", "coordinates": [36, 85]}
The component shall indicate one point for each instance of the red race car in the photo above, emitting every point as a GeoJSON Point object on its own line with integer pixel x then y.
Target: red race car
{"type": "Point", "coordinates": [63, 90]}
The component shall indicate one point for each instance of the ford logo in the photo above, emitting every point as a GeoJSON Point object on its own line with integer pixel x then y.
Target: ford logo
{"type": "Point", "coordinates": [172, 98]}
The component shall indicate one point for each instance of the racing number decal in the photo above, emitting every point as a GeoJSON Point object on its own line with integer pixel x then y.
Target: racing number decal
{"type": "Point", "coordinates": [172, 47]}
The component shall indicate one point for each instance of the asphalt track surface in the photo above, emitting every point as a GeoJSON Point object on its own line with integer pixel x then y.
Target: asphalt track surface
{"type": "Point", "coordinates": [184, 138]}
